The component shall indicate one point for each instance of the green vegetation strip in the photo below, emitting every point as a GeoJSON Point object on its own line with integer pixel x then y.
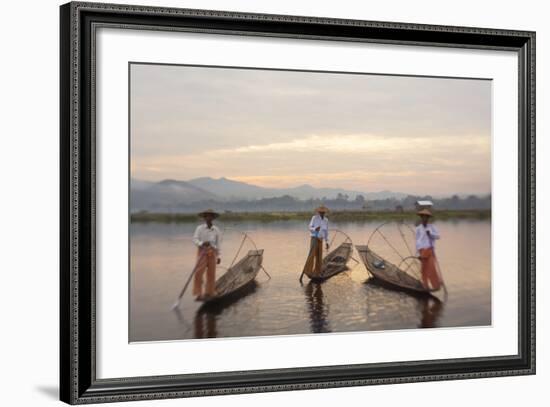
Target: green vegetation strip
{"type": "Point", "coordinates": [336, 216]}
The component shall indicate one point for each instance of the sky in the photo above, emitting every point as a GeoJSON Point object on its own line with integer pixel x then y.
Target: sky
{"type": "Point", "coordinates": [424, 136]}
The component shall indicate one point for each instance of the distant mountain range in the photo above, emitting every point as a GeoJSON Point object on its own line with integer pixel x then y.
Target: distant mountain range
{"type": "Point", "coordinates": [230, 190]}
{"type": "Point", "coordinates": [146, 195]}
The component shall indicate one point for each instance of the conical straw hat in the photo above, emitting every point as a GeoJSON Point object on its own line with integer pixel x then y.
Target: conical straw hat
{"type": "Point", "coordinates": [209, 212]}
{"type": "Point", "coordinates": [322, 208]}
{"type": "Point", "coordinates": [424, 212]}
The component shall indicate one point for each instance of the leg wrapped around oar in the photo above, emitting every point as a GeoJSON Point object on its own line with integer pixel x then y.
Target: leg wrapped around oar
{"type": "Point", "coordinates": [314, 261]}
{"type": "Point", "coordinates": [430, 276]}
{"type": "Point", "coordinates": [206, 264]}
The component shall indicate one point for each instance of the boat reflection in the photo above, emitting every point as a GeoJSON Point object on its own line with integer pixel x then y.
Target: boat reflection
{"type": "Point", "coordinates": [398, 306]}
{"type": "Point", "coordinates": [206, 317]}
{"type": "Point", "coordinates": [317, 308]}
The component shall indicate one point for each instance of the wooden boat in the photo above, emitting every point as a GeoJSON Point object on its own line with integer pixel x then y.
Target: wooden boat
{"type": "Point", "coordinates": [238, 277]}
{"type": "Point", "coordinates": [334, 262]}
{"type": "Point", "coordinates": [389, 273]}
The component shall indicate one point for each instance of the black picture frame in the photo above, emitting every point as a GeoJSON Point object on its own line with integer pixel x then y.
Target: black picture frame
{"type": "Point", "coordinates": [78, 382]}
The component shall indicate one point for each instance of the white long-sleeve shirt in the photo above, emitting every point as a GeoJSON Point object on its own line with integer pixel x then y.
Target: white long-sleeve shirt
{"type": "Point", "coordinates": [317, 221]}
{"type": "Point", "coordinates": [424, 241]}
{"type": "Point", "coordinates": [205, 234]}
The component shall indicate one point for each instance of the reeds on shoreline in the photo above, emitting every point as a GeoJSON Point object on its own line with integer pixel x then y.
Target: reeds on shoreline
{"type": "Point", "coordinates": [334, 216]}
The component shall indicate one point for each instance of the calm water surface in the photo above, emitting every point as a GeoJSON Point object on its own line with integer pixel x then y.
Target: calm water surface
{"type": "Point", "coordinates": [162, 257]}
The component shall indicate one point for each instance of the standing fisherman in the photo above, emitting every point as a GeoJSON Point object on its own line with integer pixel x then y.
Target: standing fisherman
{"type": "Point", "coordinates": [318, 228]}
{"type": "Point", "coordinates": [207, 238]}
{"type": "Point", "coordinates": [426, 234]}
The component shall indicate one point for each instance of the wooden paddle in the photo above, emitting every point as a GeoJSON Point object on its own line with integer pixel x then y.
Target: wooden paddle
{"type": "Point", "coordinates": [177, 303]}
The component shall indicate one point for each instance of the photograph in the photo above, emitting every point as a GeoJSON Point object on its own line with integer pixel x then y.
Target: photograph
{"type": "Point", "coordinates": [270, 202]}
{"type": "Point", "coordinates": [264, 201]}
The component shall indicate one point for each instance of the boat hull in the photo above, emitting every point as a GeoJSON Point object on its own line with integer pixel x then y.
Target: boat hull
{"type": "Point", "coordinates": [238, 277]}
{"type": "Point", "coordinates": [334, 263]}
{"type": "Point", "coordinates": [390, 274]}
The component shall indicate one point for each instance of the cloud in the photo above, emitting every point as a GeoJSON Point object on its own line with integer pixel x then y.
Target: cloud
{"type": "Point", "coordinates": [287, 128]}
{"type": "Point", "coordinates": [358, 161]}
{"type": "Point", "coordinates": [358, 144]}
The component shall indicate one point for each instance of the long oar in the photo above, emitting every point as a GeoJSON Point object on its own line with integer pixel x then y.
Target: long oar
{"type": "Point", "coordinates": [438, 270]}
{"type": "Point", "coordinates": [177, 303]}
{"type": "Point", "coordinates": [313, 247]}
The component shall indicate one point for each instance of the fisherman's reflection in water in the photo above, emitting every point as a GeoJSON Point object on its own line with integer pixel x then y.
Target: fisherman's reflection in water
{"type": "Point", "coordinates": [391, 309]}
{"type": "Point", "coordinates": [318, 310]}
{"type": "Point", "coordinates": [205, 325]}
{"type": "Point", "coordinates": [431, 309]}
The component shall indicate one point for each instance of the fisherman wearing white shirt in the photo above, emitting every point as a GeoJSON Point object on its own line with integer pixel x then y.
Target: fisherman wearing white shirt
{"type": "Point", "coordinates": [426, 234]}
{"type": "Point", "coordinates": [318, 228]}
{"type": "Point", "coordinates": [207, 238]}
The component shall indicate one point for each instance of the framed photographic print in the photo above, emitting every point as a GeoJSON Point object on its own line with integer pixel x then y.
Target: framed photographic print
{"type": "Point", "coordinates": [256, 203]}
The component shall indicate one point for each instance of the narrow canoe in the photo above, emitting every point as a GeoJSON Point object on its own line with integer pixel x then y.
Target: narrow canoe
{"type": "Point", "coordinates": [389, 273]}
{"type": "Point", "coordinates": [334, 262]}
{"type": "Point", "coordinates": [238, 277]}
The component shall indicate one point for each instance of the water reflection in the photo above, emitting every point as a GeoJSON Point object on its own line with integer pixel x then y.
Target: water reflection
{"type": "Point", "coordinates": [431, 309]}
{"type": "Point", "coordinates": [408, 309]}
{"type": "Point", "coordinates": [206, 317]}
{"type": "Point", "coordinates": [205, 325]}
{"type": "Point", "coordinates": [318, 309]}
{"type": "Point", "coordinates": [162, 258]}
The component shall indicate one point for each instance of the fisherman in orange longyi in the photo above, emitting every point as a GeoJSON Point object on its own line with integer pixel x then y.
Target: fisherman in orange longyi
{"type": "Point", "coordinates": [318, 229]}
{"type": "Point", "coordinates": [207, 238]}
{"type": "Point", "coordinates": [426, 234]}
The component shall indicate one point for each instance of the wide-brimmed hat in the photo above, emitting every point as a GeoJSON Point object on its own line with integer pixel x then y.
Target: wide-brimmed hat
{"type": "Point", "coordinates": [209, 212]}
{"type": "Point", "coordinates": [322, 208]}
{"type": "Point", "coordinates": [424, 212]}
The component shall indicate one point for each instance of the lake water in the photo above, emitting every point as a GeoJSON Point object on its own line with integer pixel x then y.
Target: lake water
{"type": "Point", "coordinates": [162, 257]}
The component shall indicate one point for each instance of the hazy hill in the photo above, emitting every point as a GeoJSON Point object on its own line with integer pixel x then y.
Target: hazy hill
{"type": "Point", "coordinates": [171, 195]}
{"type": "Point", "coordinates": [230, 190]}
{"type": "Point", "coordinates": [165, 194]}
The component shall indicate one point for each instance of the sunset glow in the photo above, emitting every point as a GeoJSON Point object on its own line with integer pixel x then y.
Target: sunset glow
{"type": "Point", "coordinates": [362, 132]}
